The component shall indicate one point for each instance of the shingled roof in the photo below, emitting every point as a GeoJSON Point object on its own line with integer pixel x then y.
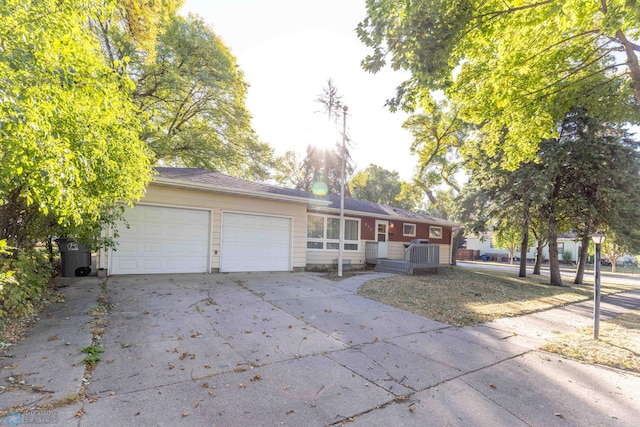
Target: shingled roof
{"type": "Point", "coordinates": [384, 210]}
{"type": "Point", "coordinates": [216, 180]}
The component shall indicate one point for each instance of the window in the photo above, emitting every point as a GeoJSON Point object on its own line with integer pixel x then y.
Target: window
{"type": "Point", "coordinates": [315, 227]}
{"type": "Point", "coordinates": [409, 230]}
{"type": "Point", "coordinates": [435, 232]}
{"type": "Point", "coordinates": [323, 233]}
{"type": "Point", "coordinates": [560, 248]}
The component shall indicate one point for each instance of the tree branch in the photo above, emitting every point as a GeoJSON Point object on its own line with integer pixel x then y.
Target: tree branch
{"type": "Point", "coordinates": [497, 13]}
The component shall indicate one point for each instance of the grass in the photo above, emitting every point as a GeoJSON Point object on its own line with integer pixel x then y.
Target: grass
{"type": "Point", "coordinates": [468, 296]}
{"type": "Point", "coordinates": [618, 346]}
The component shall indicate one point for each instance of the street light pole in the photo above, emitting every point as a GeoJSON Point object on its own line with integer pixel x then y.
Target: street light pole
{"type": "Point", "coordinates": [597, 238]}
{"type": "Point", "coordinates": [342, 166]}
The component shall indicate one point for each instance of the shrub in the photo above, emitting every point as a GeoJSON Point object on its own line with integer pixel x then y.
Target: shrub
{"type": "Point", "coordinates": [567, 257]}
{"type": "Point", "coordinates": [23, 278]}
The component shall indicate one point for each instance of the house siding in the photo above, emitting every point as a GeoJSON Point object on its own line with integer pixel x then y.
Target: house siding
{"type": "Point", "coordinates": [318, 258]}
{"type": "Point", "coordinates": [321, 258]}
{"type": "Point", "coordinates": [484, 246]}
{"type": "Point", "coordinates": [221, 202]}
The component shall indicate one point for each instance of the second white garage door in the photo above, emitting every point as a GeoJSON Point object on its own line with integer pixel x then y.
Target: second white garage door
{"type": "Point", "coordinates": [255, 243]}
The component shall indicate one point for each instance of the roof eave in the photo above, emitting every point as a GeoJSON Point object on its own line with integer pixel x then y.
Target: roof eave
{"type": "Point", "coordinates": [171, 182]}
{"type": "Point", "coordinates": [434, 221]}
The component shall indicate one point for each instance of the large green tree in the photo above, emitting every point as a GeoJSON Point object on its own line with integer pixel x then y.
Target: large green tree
{"type": "Point", "coordinates": [516, 67]}
{"type": "Point", "coordinates": [438, 136]}
{"type": "Point", "coordinates": [585, 180]}
{"type": "Point", "coordinates": [380, 185]}
{"type": "Point", "coordinates": [69, 131]}
{"type": "Point", "coordinates": [189, 88]}
{"type": "Point", "coordinates": [193, 95]}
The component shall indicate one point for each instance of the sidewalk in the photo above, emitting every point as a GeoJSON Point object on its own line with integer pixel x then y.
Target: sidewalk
{"type": "Point", "coordinates": [297, 349]}
{"type": "Point", "coordinates": [48, 366]}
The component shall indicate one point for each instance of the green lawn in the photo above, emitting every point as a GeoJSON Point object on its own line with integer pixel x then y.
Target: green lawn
{"type": "Point", "coordinates": [467, 296]}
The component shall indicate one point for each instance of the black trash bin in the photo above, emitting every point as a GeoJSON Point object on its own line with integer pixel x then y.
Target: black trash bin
{"type": "Point", "coordinates": [75, 258]}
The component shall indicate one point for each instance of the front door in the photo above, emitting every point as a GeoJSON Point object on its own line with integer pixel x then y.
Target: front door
{"type": "Point", "coordinates": [382, 237]}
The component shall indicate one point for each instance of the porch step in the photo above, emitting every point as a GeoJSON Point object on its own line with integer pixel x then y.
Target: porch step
{"type": "Point", "coordinates": [397, 266]}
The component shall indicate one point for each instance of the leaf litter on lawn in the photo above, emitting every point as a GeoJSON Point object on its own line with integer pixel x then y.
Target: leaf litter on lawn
{"type": "Point", "coordinates": [468, 296]}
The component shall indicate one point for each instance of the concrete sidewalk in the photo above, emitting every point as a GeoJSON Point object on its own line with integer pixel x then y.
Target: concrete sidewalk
{"type": "Point", "coordinates": [297, 349]}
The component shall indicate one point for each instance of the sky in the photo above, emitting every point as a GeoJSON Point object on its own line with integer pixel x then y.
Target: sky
{"type": "Point", "coordinates": [287, 50]}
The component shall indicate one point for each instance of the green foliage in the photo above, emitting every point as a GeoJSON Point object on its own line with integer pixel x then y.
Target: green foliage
{"type": "Point", "coordinates": [585, 180]}
{"type": "Point", "coordinates": [193, 97]}
{"type": "Point", "coordinates": [287, 171]}
{"type": "Point", "coordinates": [23, 279]}
{"type": "Point", "coordinates": [438, 135]}
{"type": "Point", "coordinates": [377, 185]}
{"type": "Point", "coordinates": [68, 127]}
{"type": "Point", "coordinates": [515, 69]}
{"type": "Point", "coordinates": [94, 354]}
{"type": "Point", "coordinates": [567, 256]}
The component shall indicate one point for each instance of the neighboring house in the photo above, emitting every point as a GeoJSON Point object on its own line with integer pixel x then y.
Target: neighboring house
{"type": "Point", "coordinates": [567, 243]}
{"type": "Point", "coordinates": [197, 221]}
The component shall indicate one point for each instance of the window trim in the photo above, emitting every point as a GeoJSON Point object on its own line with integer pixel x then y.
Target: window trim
{"type": "Point", "coordinates": [335, 242]}
{"type": "Point", "coordinates": [433, 234]}
{"type": "Point", "coordinates": [404, 233]}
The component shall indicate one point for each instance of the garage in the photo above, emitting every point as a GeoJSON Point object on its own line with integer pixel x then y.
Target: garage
{"type": "Point", "coordinates": [255, 243]}
{"type": "Point", "coordinates": [162, 239]}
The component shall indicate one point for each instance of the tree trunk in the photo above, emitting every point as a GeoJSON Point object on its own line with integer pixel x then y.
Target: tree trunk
{"type": "Point", "coordinates": [455, 244]}
{"type": "Point", "coordinates": [554, 262]}
{"type": "Point", "coordinates": [582, 260]}
{"type": "Point", "coordinates": [632, 62]}
{"type": "Point", "coordinates": [523, 250]}
{"type": "Point", "coordinates": [538, 264]}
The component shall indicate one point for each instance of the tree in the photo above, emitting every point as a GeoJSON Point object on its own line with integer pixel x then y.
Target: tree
{"type": "Point", "coordinates": [411, 198]}
{"type": "Point", "coordinates": [612, 250]}
{"type": "Point", "coordinates": [377, 185]}
{"type": "Point", "coordinates": [515, 68]}
{"type": "Point", "coordinates": [70, 146]}
{"type": "Point", "coordinates": [287, 172]}
{"type": "Point", "coordinates": [193, 97]}
{"type": "Point", "coordinates": [70, 133]}
{"type": "Point", "coordinates": [126, 28]}
{"type": "Point", "coordinates": [380, 185]}
{"type": "Point", "coordinates": [321, 168]}
{"type": "Point", "coordinates": [331, 101]}
{"type": "Point", "coordinates": [599, 164]}
{"type": "Point", "coordinates": [508, 235]}
{"type": "Point", "coordinates": [495, 198]}
{"type": "Point", "coordinates": [438, 134]}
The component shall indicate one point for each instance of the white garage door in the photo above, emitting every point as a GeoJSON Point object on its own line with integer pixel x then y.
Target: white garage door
{"type": "Point", "coordinates": [162, 240]}
{"type": "Point", "coordinates": [255, 243]}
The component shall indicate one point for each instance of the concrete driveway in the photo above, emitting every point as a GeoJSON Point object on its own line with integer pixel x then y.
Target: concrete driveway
{"type": "Point", "coordinates": [300, 350]}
